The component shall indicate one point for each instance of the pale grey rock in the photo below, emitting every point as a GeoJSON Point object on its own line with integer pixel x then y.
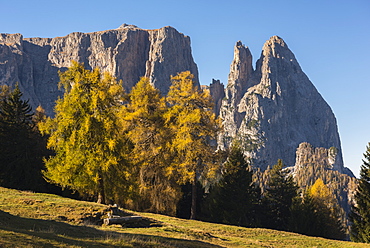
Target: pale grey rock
{"type": "Point", "coordinates": [275, 108]}
{"type": "Point", "coordinates": [16, 64]}
{"type": "Point", "coordinates": [241, 70]}
{"type": "Point", "coordinates": [169, 54]}
{"type": "Point", "coordinates": [125, 25]}
{"type": "Point", "coordinates": [217, 91]}
{"type": "Point", "coordinates": [327, 158]}
{"type": "Point", "coordinates": [127, 52]}
{"type": "Point", "coordinates": [319, 162]}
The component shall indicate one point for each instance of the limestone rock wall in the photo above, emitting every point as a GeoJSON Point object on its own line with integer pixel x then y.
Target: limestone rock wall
{"type": "Point", "coordinates": [319, 162]}
{"type": "Point", "coordinates": [217, 91]}
{"type": "Point", "coordinates": [127, 52]}
{"type": "Point", "coordinates": [307, 155]}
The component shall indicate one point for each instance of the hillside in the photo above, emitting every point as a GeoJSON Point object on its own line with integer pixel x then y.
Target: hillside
{"type": "Point", "coordinates": [42, 220]}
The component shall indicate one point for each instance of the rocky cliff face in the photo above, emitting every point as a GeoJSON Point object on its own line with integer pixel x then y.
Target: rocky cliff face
{"type": "Point", "coordinates": [127, 52]}
{"type": "Point", "coordinates": [275, 107]}
{"type": "Point", "coordinates": [319, 162]}
{"type": "Point", "coordinates": [306, 154]}
{"type": "Point", "coordinates": [325, 158]}
{"type": "Point", "coordinates": [217, 91]}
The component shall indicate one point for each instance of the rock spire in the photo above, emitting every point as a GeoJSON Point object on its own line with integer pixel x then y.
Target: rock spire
{"type": "Point", "coordinates": [275, 107]}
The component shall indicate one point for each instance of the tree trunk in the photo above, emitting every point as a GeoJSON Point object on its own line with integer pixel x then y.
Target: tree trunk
{"type": "Point", "coordinates": [193, 209]}
{"type": "Point", "coordinates": [101, 189]}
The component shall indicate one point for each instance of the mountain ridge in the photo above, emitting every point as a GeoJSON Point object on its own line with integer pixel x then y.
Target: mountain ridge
{"type": "Point", "coordinates": [272, 108]}
{"type": "Point", "coordinates": [127, 52]}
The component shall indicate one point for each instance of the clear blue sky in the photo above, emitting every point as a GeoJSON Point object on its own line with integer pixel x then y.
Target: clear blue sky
{"type": "Point", "coordinates": [330, 39]}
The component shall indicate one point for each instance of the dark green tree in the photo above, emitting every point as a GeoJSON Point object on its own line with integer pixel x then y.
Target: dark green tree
{"type": "Point", "coordinates": [234, 199]}
{"type": "Point", "coordinates": [20, 163]}
{"type": "Point", "coordinates": [278, 197]}
{"type": "Point", "coordinates": [303, 217]}
{"type": "Point", "coordinates": [317, 213]}
{"type": "Point", "coordinates": [360, 215]}
{"type": "Point", "coordinates": [15, 112]}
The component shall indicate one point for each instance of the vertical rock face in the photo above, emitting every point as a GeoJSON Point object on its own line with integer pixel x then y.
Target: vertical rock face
{"type": "Point", "coordinates": [127, 52]}
{"type": "Point", "coordinates": [275, 108]}
{"type": "Point", "coordinates": [241, 70]}
{"type": "Point", "coordinates": [15, 63]}
{"type": "Point", "coordinates": [169, 54]}
{"type": "Point", "coordinates": [306, 155]}
{"type": "Point", "coordinates": [318, 162]}
{"type": "Point", "coordinates": [217, 91]}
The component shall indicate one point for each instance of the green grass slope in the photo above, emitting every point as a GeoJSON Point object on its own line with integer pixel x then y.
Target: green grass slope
{"type": "Point", "coordinates": [41, 220]}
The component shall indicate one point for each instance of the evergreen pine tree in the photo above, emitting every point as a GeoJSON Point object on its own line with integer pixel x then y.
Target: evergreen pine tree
{"type": "Point", "coordinates": [360, 215]}
{"type": "Point", "coordinates": [303, 215]}
{"type": "Point", "coordinates": [317, 214]}
{"type": "Point", "coordinates": [234, 199]}
{"type": "Point", "coordinates": [20, 160]}
{"type": "Point", "coordinates": [278, 198]}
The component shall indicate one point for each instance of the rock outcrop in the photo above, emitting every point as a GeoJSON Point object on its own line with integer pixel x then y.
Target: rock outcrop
{"type": "Point", "coordinates": [127, 52]}
{"type": "Point", "coordinates": [326, 158]}
{"type": "Point", "coordinates": [275, 107]}
{"type": "Point", "coordinates": [217, 91]}
{"type": "Point", "coordinates": [313, 163]}
{"type": "Point", "coordinates": [306, 154]}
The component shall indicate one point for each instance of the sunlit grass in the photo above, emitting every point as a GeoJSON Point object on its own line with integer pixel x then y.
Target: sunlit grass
{"type": "Point", "coordinates": [42, 220]}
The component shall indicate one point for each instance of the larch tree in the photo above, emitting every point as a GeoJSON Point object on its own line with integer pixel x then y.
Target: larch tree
{"type": "Point", "coordinates": [193, 125]}
{"type": "Point", "coordinates": [144, 123]}
{"type": "Point", "coordinates": [327, 214]}
{"type": "Point", "coordinates": [360, 214]}
{"type": "Point", "coordinates": [89, 149]}
{"type": "Point", "coordinates": [4, 91]}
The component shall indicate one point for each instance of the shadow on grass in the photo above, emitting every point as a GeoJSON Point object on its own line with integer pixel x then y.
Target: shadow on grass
{"type": "Point", "coordinates": [46, 233]}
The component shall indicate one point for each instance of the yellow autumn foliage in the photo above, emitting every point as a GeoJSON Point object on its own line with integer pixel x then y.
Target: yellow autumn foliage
{"type": "Point", "coordinates": [85, 134]}
{"type": "Point", "coordinates": [145, 127]}
{"type": "Point", "coordinates": [322, 195]}
{"type": "Point", "coordinates": [193, 124]}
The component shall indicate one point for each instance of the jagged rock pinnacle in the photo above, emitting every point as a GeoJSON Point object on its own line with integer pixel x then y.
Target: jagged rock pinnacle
{"type": "Point", "coordinates": [275, 108]}
{"type": "Point", "coordinates": [241, 67]}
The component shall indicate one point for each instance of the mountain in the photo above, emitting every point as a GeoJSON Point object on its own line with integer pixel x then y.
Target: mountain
{"type": "Point", "coordinates": [271, 109]}
{"type": "Point", "coordinates": [127, 52]}
{"type": "Point", "coordinates": [274, 108]}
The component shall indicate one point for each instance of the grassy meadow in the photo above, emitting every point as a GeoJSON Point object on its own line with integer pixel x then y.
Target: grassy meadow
{"type": "Point", "coordinates": [30, 219]}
